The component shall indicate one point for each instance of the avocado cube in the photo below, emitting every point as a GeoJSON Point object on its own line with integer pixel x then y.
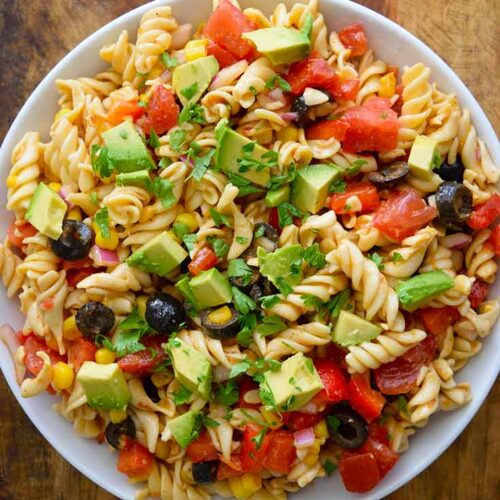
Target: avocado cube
{"type": "Point", "coordinates": [280, 195]}
{"type": "Point", "coordinates": [183, 286]}
{"type": "Point", "coordinates": [198, 73]}
{"type": "Point", "coordinates": [210, 288]}
{"type": "Point", "coordinates": [353, 330]}
{"type": "Point", "coordinates": [140, 178]}
{"type": "Point", "coordinates": [186, 427]}
{"type": "Point", "coordinates": [293, 385]}
{"type": "Point", "coordinates": [192, 369]}
{"type": "Point", "coordinates": [104, 386]}
{"type": "Point", "coordinates": [421, 157]}
{"type": "Point", "coordinates": [229, 149]}
{"type": "Point", "coordinates": [126, 149]}
{"type": "Point", "coordinates": [310, 187]}
{"type": "Point", "coordinates": [284, 263]}
{"type": "Point", "coordinates": [46, 211]}
{"type": "Point", "coordinates": [280, 45]}
{"type": "Point", "coordinates": [159, 256]}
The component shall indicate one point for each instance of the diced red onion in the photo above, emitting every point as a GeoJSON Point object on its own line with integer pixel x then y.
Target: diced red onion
{"type": "Point", "coordinates": [290, 116]}
{"type": "Point", "coordinates": [304, 438]}
{"type": "Point", "coordinates": [457, 240]}
{"type": "Point", "coordinates": [181, 36]}
{"type": "Point", "coordinates": [64, 195]}
{"type": "Point", "coordinates": [226, 75]}
{"type": "Point", "coordinates": [277, 95]}
{"type": "Point", "coordinates": [103, 257]}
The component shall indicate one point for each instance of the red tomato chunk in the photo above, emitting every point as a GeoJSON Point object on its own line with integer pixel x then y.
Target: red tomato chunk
{"type": "Point", "coordinates": [327, 129]}
{"type": "Point", "coordinates": [202, 449]}
{"type": "Point", "coordinates": [281, 452]}
{"type": "Point", "coordinates": [353, 37]}
{"type": "Point", "coordinates": [437, 320]}
{"type": "Point", "coordinates": [142, 363]}
{"type": "Point", "coordinates": [223, 56]}
{"type": "Point", "coordinates": [334, 381]}
{"type": "Point", "coordinates": [135, 461]}
{"type": "Point", "coordinates": [366, 401]}
{"type": "Point", "coordinates": [364, 191]}
{"type": "Point", "coordinates": [485, 213]}
{"type": "Point", "coordinates": [495, 239]}
{"type": "Point", "coordinates": [32, 362]}
{"type": "Point", "coordinates": [162, 112]}
{"type": "Point", "coordinates": [359, 472]}
{"type": "Point", "coordinates": [81, 350]}
{"type": "Point", "coordinates": [253, 451]}
{"type": "Point", "coordinates": [205, 259]}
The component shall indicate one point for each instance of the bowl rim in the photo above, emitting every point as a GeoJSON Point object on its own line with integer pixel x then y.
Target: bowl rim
{"type": "Point", "coordinates": [485, 131]}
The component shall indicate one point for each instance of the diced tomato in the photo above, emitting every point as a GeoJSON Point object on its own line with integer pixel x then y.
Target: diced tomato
{"type": "Point", "coordinates": [297, 421]}
{"type": "Point", "coordinates": [79, 351]}
{"type": "Point", "coordinates": [485, 213]}
{"type": "Point", "coordinates": [334, 381]}
{"type": "Point", "coordinates": [204, 259]}
{"type": "Point", "coordinates": [246, 384]}
{"type": "Point", "coordinates": [274, 219]}
{"type": "Point", "coordinates": [353, 37]}
{"type": "Point", "coordinates": [495, 239]}
{"type": "Point", "coordinates": [202, 449]}
{"type": "Point", "coordinates": [478, 293]}
{"type": "Point", "coordinates": [378, 433]}
{"type": "Point", "coordinates": [327, 129]}
{"type": "Point", "coordinates": [437, 320]}
{"type": "Point", "coordinates": [74, 276]}
{"type": "Point", "coordinates": [135, 460]}
{"type": "Point", "coordinates": [366, 401]}
{"type": "Point", "coordinates": [364, 191]}
{"type": "Point", "coordinates": [346, 90]}
{"type": "Point", "coordinates": [337, 354]}
{"type": "Point", "coordinates": [123, 109]}
{"type": "Point", "coordinates": [386, 458]}
{"type": "Point", "coordinates": [32, 362]}
{"type": "Point", "coordinates": [225, 27]}
{"type": "Point", "coordinates": [359, 472]}
{"type": "Point", "coordinates": [76, 264]}
{"type": "Point", "coordinates": [281, 452]}
{"type": "Point", "coordinates": [253, 453]}
{"type": "Point", "coordinates": [162, 112]}
{"type": "Point", "coordinates": [403, 215]}
{"type": "Point", "coordinates": [143, 362]}
{"type": "Point", "coordinates": [17, 233]}
{"type": "Point", "coordinates": [231, 468]}
{"type": "Point", "coordinates": [223, 56]}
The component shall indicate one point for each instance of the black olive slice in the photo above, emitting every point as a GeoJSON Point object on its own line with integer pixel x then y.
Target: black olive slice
{"type": "Point", "coordinates": [221, 322]}
{"type": "Point", "coordinates": [269, 240]}
{"type": "Point", "coordinates": [114, 433]}
{"type": "Point", "coordinates": [300, 107]}
{"type": "Point", "coordinates": [151, 389]}
{"type": "Point", "coordinates": [347, 428]}
{"type": "Point", "coordinates": [389, 175]}
{"type": "Point", "coordinates": [164, 313]}
{"type": "Point", "coordinates": [452, 171]}
{"type": "Point", "coordinates": [95, 319]}
{"type": "Point", "coordinates": [75, 240]}
{"type": "Point", "coordinates": [205, 472]}
{"type": "Point", "coordinates": [454, 202]}
{"type": "Point", "coordinates": [241, 283]}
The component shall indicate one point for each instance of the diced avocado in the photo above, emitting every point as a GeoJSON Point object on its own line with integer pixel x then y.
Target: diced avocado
{"type": "Point", "coordinates": [186, 427]}
{"type": "Point", "coordinates": [104, 386]}
{"type": "Point", "coordinates": [183, 286]}
{"type": "Point", "coordinates": [190, 80]}
{"type": "Point", "coordinates": [414, 292]}
{"type": "Point", "coordinates": [353, 330]}
{"type": "Point", "coordinates": [280, 195]}
{"type": "Point", "coordinates": [310, 187]}
{"type": "Point", "coordinates": [293, 385]}
{"type": "Point", "coordinates": [229, 149]}
{"type": "Point", "coordinates": [158, 256]}
{"type": "Point", "coordinates": [126, 149]}
{"type": "Point", "coordinates": [192, 369]}
{"type": "Point", "coordinates": [421, 158]}
{"type": "Point", "coordinates": [46, 211]}
{"type": "Point", "coordinates": [280, 45]}
{"type": "Point", "coordinates": [139, 178]}
{"type": "Point", "coordinates": [284, 263]}
{"type": "Point", "coordinates": [210, 288]}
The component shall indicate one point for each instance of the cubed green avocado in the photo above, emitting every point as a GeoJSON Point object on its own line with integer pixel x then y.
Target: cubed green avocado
{"type": "Point", "coordinates": [183, 286]}
{"type": "Point", "coordinates": [190, 80]}
{"type": "Point", "coordinates": [159, 256]}
{"type": "Point", "coordinates": [46, 211]}
{"type": "Point", "coordinates": [210, 288]}
{"type": "Point", "coordinates": [229, 149]}
{"type": "Point", "coordinates": [126, 149]}
{"type": "Point", "coordinates": [280, 45]}
{"type": "Point", "coordinates": [310, 187]}
{"type": "Point", "coordinates": [414, 292]}
{"type": "Point", "coordinates": [104, 386]}
{"type": "Point", "coordinates": [421, 159]}
{"type": "Point", "coordinates": [186, 427]}
{"type": "Point", "coordinates": [280, 195]}
{"type": "Point", "coordinates": [353, 330]}
{"type": "Point", "coordinates": [285, 263]}
{"type": "Point", "coordinates": [140, 178]}
{"type": "Point", "coordinates": [293, 385]}
{"type": "Point", "coordinates": [192, 369]}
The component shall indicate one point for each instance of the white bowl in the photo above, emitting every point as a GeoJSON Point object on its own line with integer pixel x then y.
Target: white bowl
{"type": "Point", "coordinates": [391, 43]}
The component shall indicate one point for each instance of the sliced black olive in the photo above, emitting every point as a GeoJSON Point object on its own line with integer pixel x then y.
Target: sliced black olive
{"type": "Point", "coordinates": [452, 172]}
{"type": "Point", "coordinates": [164, 313]}
{"type": "Point", "coordinates": [205, 472]}
{"type": "Point", "coordinates": [389, 175]}
{"type": "Point", "coordinates": [218, 325]}
{"type": "Point", "coordinates": [151, 389]}
{"type": "Point", "coordinates": [347, 428]}
{"type": "Point", "coordinates": [454, 202]}
{"type": "Point", "coordinates": [244, 284]}
{"type": "Point", "coordinates": [75, 240]}
{"type": "Point", "coordinates": [261, 289]}
{"type": "Point", "coordinates": [300, 107]}
{"type": "Point", "coordinates": [114, 433]}
{"type": "Point", "coordinates": [269, 240]}
{"type": "Point", "coordinates": [95, 319]}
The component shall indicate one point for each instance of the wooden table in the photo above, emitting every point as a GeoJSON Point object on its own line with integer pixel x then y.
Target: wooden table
{"type": "Point", "coordinates": [35, 35]}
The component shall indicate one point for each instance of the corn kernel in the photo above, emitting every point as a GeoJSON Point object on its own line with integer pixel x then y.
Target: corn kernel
{"type": "Point", "coordinates": [141, 305]}
{"type": "Point", "coordinates": [107, 243]}
{"type": "Point", "coordinates": [104, 356]}
{"type": "Point", "coordinates": [161, 379]}
{"type": "Point", "coordinates": [321, 430]}
{"type": "Point", "coordinates": [221, 315]}
{"type": "Point", "coordinates": [75, 214]}
{"type": "Point", "coordinates": [189, 220]}
{"type": "Point", "coordinates": [310, 459]}
{"type": "Point", "coordinates": [62, 375]}
{"type": "Point", "coordinates": [272, 418]}
{"type": "Point", "coordinates": [236, 487]}
{"type": "Point", "coordinates": [162, 449]}
{"type": "Point", "coordinates": [11, 181]}
{"type": "Point", "coordinates": [117, 416]}
{"type": "Point", "coordinates": [251, 483]}
{"type": "Point", "coordinates": [289, 133]}
{"type": "Point", "coordinates": [195, 49]}
{"type": "Point", "coordinates": [55, 186]}
{"type": "Point", "coordinates": [387, 85]}
{"type": "Point", "coordinates": [61, 113]}
{"type": "Point", "coordinates": [70, 330]}
{"type": "Point", "coordinates": [173, 236]}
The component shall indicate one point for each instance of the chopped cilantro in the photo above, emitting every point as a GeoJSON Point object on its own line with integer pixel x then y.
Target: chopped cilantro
{"type": "Point", "coordinates": [192, 113]}
{"type": "Point", "coordinates": [314, 257]}
{"type": "Point", "coordinates": [219, 245]}
{"type": "Point", "coordinates": [241, 240]}
{"type": "Point", "coordinates": [170, 62]}
{"type": "Point", "coordinates": [337, 186]}
{"type": "Point", "coordinates": [190, 92]}
{"type": "Point", "coordinates": [259, 232]}
{"type": "Point", "coordinates": [94, 199]}
{"type": "Point", "coordinates": [221, 219]}
{"type": "Point", "coordinates": [271, 325]}
{"type": "Point", "coordinates": [243, 303]}
{"type": "Point", "coordinates": [200, 163]}
{"type": "Point", "coordinates": [338, 302]}
{"type": "Point", "coordinates": [244, 185]}
{"type": "Point", "coordinates": [181, 396]}
{"type": "Point", "coordinates": [181, 229]}
{"type": "Point", "coordinates": [402, 404]}
{"type": "Point", "coordinates": [276, 181]}
{"type": "Point", "coordinates": [311, 301]}
{"type": "Point", "coordinates": [286, 213]}
{"type": "Point", "coordinates": [329, 467]}
{"type": "Point", "coordinates": [283, 286]}
{"type": "Point", "coordinates": [238, 268]}
{"type": "Point", "coordinates": [190, 240]}
{"type": "Point", "coordinates": [436, 160]}
{"type": "Point", "coordinates": [239, 368]}
{"type": "Point", "coordinates": [177, 139]}
{"type": "Point", "coordinates": [259, 438]}
{"type": "Point", "coordinates": [276, 80]}
{"type": "Point", "coordinates": [269, 301]}
{"type": "Point", "coordinates": [378, 260]}
{"type": "Point", "coordinates": [101, 218]}
{"type": "Point", "coordinates": [246, 162]}
{"type": "Point", "coordinates": [247, 324]}
{"type": "Point", "coordinates": [253, 90]}
{"type": "Point", "coordinates": [163, 189]}
{"type": "Point", "coordinates": [227, 394]}
{"type": "Point", "coordinates": [154, 140]}
{"type": "Point", "coordinates": [165, 162]}
{"type": "Point", "coordinates": [396, 256]}
{"type": "Point", "coordinates": [333, 423]}
{"type": "Point", "coordinates": [355, 167]}
{"type": "Point", "coordinates": [130, 332]}
{"type": "Point", "coordinates": [99, 159]}
{"type": "Point", "coordinates": [266, 396]}
{"type": "Point", "coordinates": [210, 422]}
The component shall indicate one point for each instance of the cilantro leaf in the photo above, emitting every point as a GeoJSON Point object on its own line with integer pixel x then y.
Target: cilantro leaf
{"type": "Point", "coordinates": [286, 213]}
{"type": "Point", "coordinates": [283, 286]}
{"type": "Point", "coordinates": [243, 303]}
{"type": "Point", "coordinates": [276, 181]}
{"type": "Point", "coordinates": [154, 140]}
{"type": "Point", "coordinates": [244, 185]}
{"type": "Point", "coordinates": [238, 268]}
{"type": "Point", "coordinates": [338, 302]}
{"type": "Point", "coordinates": [101, 218]}
{"type": "Point", "coordinates": [130, 332]}
{"type": "Point", "coordinates": [329, 467]}
{"type": "Point", "coordinates": [190, 92]}
{"type": "Point", "coordinates": [165, 162]}
{"type": "Point", "coordinates": [241, 240]}
{"type": "Point", "coordinates": [375, 257]}
{"type": "Point", "coordinates": [259, 438]}
{"type": "Point", "coordinates": [266, 395]}
{"type": "Point", "coordinates": [239, 368]}
{"type": "Point", "coordinates": [247, 324]}
{"type": "Point", "coordinates": [177, 139]}
{"type": "Point", "coordinates": [181, 229]}
{"type": "Point", "coordinates": [338, 186]}
{"type": "Point", "coordinates": [276, 80]}
{"type": "Point", "coordinates": [99, 159]}
{"type": "Point", "coordinates": [201, 163]}
{"type": "Point", "coordinates": [314, 257]}
{"type": "Point", "coordinates": [247, 161]}
{"type": "Point", "coordinates": [220, 219]}
{"type": "Point", "coordinates": [271, 325]}
{"type": "Point", "coordinates": [182, 395]}
{"type": "Point", "coordinates": [192, 113]}
{"type": "Point", "coordinates": [169, 61]}
{"type": "Point", "coordinates": [269, 301]}
{"type": "Point", "coordinates": [227, 394]}
{"type": "Point", "coordinates": [260, 231]}
{"type": "Point", "coordinates": [333, 423]}
{"type": "Point", "coordinates": [436, 160]}
{"type": "Point", "coordinates": [94, 198]}
{"type": "Point", "coordinates": [396, 256]}
{"type": "Point", "coordinates": [210, 422]}
{"type": "Point", "coordinates": [355, 167]}
{"type": "Point", "coordinates": [163, 189]}
{"type": "Point", "coordinates": [219, 245]}
{"type": "Point", "coordinates": [311, 301]}
{"type": "Point", "coordinates": [190, 240]}
{"type": "Point", "coordinates": [402, 404]}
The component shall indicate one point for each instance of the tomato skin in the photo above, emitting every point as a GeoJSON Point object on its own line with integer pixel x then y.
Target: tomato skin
{"type": "Point", "coordinates": [252, 459]}
{"type": "Point", "coordinates": [202, 449]}
{"type": "Point", "coordinates": [366, 192]}
{"type": "Point", "coordinates": [122, 109]}
{"type": "Point", "coordinates": [437, 320]}
{"type": "Point", "coordinates": [495, 239]}
{"type": "Point", "coordinates": [274, 219]}
{"type": "Point", "coordinates": [231, 469]}
{"type": "Point", "coordinates": [204, 259]}
{"type": "Point", "coordinates": [353, 37]}
{"type": "Point", "coordinates": [327, 129]}
{"type": "Point", "coordinates": [223, 56]}
{"type": "Point", "coordinates": [366, 401]}
{"type": "Point", "coordinates": [79, 351]}
{"type": "Point", "coordinates": [403, 215]}
{"type": "Point", "coordinates": [162, 112]}
{"type": "Point", "coordinates": [246, 384]}
{"type": "Point", "coordinates": [297, 421]}
{"type": "Point", "coordinates": [135, 460]}
{"type": "Point", "coordinates": [16, 234]}
{"type": "Point", "coordinates": [359, 471]}
{"type": "Point", "coordinates": [334, 381]}
{"type": "Point", "coordinates": [143, 362]}
{"type": "Point", "coordinates": [478, 293]}
{"type": "Point", "coordinates": [32, 362]}
{"type": "Point", "coordinates": [74, 276]}
{"type": "Point", "coordinates": [485, 213]}
{"type": "Point", "coordinates": [281, 451]}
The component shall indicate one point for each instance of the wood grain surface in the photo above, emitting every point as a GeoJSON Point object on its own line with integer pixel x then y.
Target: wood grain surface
{"type": "Point", "coordinates": [35, 35]}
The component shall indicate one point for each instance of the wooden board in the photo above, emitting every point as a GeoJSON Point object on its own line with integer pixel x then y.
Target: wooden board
{"type": "Point", "coordinates": [35, 35]}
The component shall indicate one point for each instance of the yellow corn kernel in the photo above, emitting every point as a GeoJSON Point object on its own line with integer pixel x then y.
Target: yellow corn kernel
{"type": "Point", "coordinates": [310, 459]}
{"type": "Point", "coordinates": [387, 85]}
{"type": "Point", "coordinates": [75, 214]}
{"type": "Point", "coordinates": [251, 483]}
{"type": "Point", "coordinates": [62, 375]}
{"type": "Point", "coordinates": [162, 449]}
{"type": "Point", "coordinates": [117, 416]}
{"type": "Point", "coordinates": [141, 305]}
{"type": "Point", "coordinates": [195, 49]}
{"type": "Point", "coordinates": [321, 430]}
{"type": "Point", "coordinates": [51, 342]}
{"type": "Point", "coordinates": [173, 236]}
{"type": "Point", "coordinates": [107, 243]}
{"type": "Point", "coordinates": [104, 356]}
{"type": "Point", "coordinates": [315, 448]}
{"type": "Point", "coordinates": [221, 315]}
{"type": "Point", "coordinates": [55, 186]}
{"type": "Point", "coordinates": [289, 133]}
{"type": "Point", "coordinates": [188, 220]}
{"type": "Point", "coordinates": [235, 485]}
{"type": "Point", "coordinates": [70, 330]}
{"type": "Point", "coordinates": [161, 379]}
{"type": "Point", "coordinates": [272, 418]}
{"type": "Point", "coordinates": [11, 181]}
{"type": "Point", "coordinates": [60, 113]}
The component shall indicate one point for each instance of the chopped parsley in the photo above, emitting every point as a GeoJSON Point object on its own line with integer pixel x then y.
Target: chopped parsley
{"type": "Point", "coordinates": [259, 232]}
{"type": "Point", "coordinates": [241, 240]}
{"type": "Point", "coordinates": [238, 268]}
{"type": "Point", "coordinates": [170, 62]}
{"type": "Point", "coordinates": [210, 422]}
{"type": "Point", "coordinates": [94, 199]}
{"type": "Point", "coordinates": [314, 257]}
{"type": "Point", "coordinates": [190, 92]}
{"type": "Point", "coordinates": [165, 162]}
{"type": "Point", "coordinates": [190, 240]}
{"type": "Point", "coordinates": [177, 139]}
{"type": "Point", "coordinates": [276, 80]}
{"type": "Point", "coordinates": [259, 438]}
{"type": "Point", "coordinates": [333, 423]}
{"type": "Point", "coordinates": [283, 286]}
{"type": "Point", "coordinates": [286, 213]}
{"type": "Point", "coordinates": [227, 394]}
{"type": "Point", "coordinates": [239, 368]}
{"type": "Point", "coordinates": [99, 159]}
{"type": "Point", "coordinates": [375, 257]}
{"type": "Point", "coordinates": [253, 90]}
{"type": "Point", "coordinates": [101, 218]}
{"type": "Point", "coordinates": [181, 229]}
{"type": "Point", "coordinates": [402, 404]}
{"type": "Point", "coordinates": [271, 325]}
{"type": "Point", "coordinates": [276, 181]}
{"type": "Point", "coordinates": [221, 219]}
{"type": "Point", "coordinates": [311, 301]}
{"type": "Point", "coordinates": [436, 160]}
{"type": "Point", "coordinates": [243, 303]}
{"type": "Point", "coordinates": [355, 167]}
